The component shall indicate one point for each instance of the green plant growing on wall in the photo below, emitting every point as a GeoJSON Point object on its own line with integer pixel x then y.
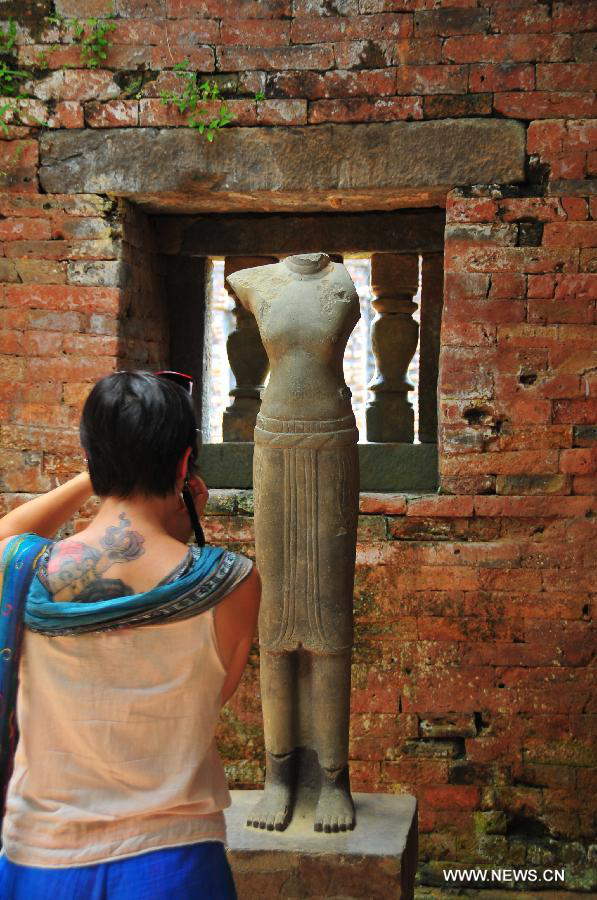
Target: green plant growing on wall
{"type": "Point", "coordinates": [190, 98]}
{"type": "Point", "coordinates": [9, 76]}
{"type": "Point", "coordinates": [93, 40]}
{"type": "Point", "coordinates": [8, 38]}
{"type": "Point", "coordinates": [10, 79]}
{"type": "Point", "coordinates": [90, 34]}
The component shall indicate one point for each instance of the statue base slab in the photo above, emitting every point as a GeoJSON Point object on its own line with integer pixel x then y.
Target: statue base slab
{"type": "Point", "coordinates": [377, 860]}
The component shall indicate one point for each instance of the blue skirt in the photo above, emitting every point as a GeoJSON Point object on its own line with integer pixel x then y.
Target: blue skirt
{"type": "Point", "coordinates": [190, 872]}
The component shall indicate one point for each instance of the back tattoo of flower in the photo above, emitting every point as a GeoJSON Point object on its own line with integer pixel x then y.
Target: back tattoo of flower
{"type": "Point", "coordinates": [74, 571]}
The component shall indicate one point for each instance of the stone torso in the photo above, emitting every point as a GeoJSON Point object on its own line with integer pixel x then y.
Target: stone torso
{"type": "Point", "coordinates": [306, 308]}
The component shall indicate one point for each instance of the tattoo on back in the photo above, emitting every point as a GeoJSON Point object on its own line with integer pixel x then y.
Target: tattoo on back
{"type": "Point", "coordinates": [74, 571]}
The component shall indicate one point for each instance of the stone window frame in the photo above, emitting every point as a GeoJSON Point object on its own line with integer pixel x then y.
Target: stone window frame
{"type": "Point", "coordinates": [188, 243]}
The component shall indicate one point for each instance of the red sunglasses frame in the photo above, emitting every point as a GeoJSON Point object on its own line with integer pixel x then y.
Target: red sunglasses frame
{"type": "Point", "coordinates": [185, 381]}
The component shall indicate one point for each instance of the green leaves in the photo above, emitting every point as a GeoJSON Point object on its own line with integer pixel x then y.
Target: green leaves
{"type": "Point", "coordinates": [90, 34]}
{"type": "Point", "coordinates": [191, 96]}
{"type": "Point", "coordinates": [9, 76]}
{"type": "Point", "coordinates": [8, 38]}
{"type": "Point", "coordinates": [92, 38]}
{"type": "Point", "coordinates": [9, 79]}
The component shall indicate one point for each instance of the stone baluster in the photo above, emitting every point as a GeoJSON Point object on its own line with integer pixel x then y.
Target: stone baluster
{"type": "Point", "coordinates": [394, 335]}
{"type": "Point", "coordinates": [247, 358]}
{"type": "Point", "coordinates": [432, 294]}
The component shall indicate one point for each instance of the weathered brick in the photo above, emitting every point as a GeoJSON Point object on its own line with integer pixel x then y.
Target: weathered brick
{"type": "Point", "coordinates": [504, 259]}
{"type": "Point", "coordinates": [76, 84]}
{"type": "Point", "coordinates": [63, 297]}
{"type": "Point", "coordinates": [507, 48]}
{"type": "Point", "coordinates": [12, 229]}
{"type": "Point", "coordinates": [583, 47]}
{"type": "Point", "coordinates": [200, 58]}
{"type": "Point", "coordinates": [364, 54]}
{"type": "Point", "coordinates": [256, 33]}
{"type": "Point", "coordinates": [579, 462]}
{"type": "Point", "coordinates": [48, 320]}
{"type": "Point", "coordinates": [442, 106]}
{"type": "Point", "coordinates": [574, 16]}
{"type": "Point", "coordinates": [470, 209]}
{"type": "Point", "coordinates": [114, 114]}
{"type": "Point", "coordinates": [55, 56]}
{"type": "Point", "coordinates": [507, 285]}
{"type": "Point", "coordinates": [84, 7]}
{"type": "Point", "coordinates": [576, 412]}
{"type": "Point", "coordinates": [147, 31]}
{"type": "Point", "coordinates": [535, 209]}
{"type": "Point", "coordinates": [450, 21]}
{"type": "Point", "coordinates": [258, 9]}
{"type": "Point", "coordinates": [545, 104]}
{"type": "Point", "coordinates": [323, 8]}
{"type": "Point", "coordinates": [8, 270]}
{"type": "Point", "coordinates": [566, 77]}
{"type": "Point", "coordinates": [39, 271]}
{"type": "Point", "coordinates": [332, 85]}
{"type": "Point", "coordinates": [431, 79]}
{"type": "Point", "coordinates": [310, 56]}
{"type": "Point", "coordinates": [501, 77]}
{"type": "Point", "coordinates": [66, 114]}
{"type": "Point", "coordinates": [546, 137]}
{"type": "Point", "coordinates": [92, 345]}
{"type": "Point", "coordinates": [531, 17]}
{"type": "Point", "coordinates": [42, 343]}
{"type": "Point", "coordinates": [531, 506]}
{"type": "Point", "coordinates": [58, 250]}
{"type": "Point", "coordinates": [314, 30]}
{"type": "Point", "coordinates": [570, 234]}
{"type": "Point", "coordinates": [108, 273]}
{"type": "Point", "coordinates": [357, 110]}
{"type": "Point", "coordinates": [417, 51]}
{"type": "Point", "coordinates": [18, 165]}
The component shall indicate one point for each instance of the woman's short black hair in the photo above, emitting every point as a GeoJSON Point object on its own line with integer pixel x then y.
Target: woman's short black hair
{"type": "Point", "coordinates": [135, 427]}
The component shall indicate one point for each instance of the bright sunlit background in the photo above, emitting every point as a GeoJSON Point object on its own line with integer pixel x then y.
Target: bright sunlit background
{"type": "Point", "coordinates": [359, 364]}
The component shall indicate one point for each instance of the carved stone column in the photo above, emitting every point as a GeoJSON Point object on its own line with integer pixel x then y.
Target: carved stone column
{"type": "Point", "coordinates": [394, 335]}
{"type": "Point", "coordinates": [247, 358]}
{"type": "Point", "coordinates": [432, 295]}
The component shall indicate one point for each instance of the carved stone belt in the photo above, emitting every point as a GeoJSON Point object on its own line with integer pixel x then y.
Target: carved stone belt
{"type": "Point", "coordinates": [313, 435]}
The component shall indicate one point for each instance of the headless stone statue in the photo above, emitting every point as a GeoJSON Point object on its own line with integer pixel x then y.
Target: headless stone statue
{"type": "Point", "coordinates": [306, 484]}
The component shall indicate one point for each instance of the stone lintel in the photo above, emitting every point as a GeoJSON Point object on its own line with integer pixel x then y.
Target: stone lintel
{"type": "Point", "coordinates": [398, 231]}
{"type": "Point", "coordinates": [386, 156]}
{"type": "Point", "coordinates": [377, 860]}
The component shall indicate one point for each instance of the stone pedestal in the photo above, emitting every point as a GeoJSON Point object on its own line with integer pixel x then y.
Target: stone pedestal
{"type": "Point", "coordinates": [377, 860]}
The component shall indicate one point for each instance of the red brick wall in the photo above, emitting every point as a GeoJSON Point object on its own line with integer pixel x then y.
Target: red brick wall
{"type": "Point", "coordinates": [471, 679]}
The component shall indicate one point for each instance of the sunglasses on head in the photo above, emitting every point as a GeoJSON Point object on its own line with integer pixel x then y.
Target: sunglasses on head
{"type": "Point", "coordinates": [186, 382]}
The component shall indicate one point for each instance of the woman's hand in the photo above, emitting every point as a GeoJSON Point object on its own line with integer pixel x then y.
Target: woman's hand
{"type": "Point", "coordinates": [179, 524]}
{"type": "Point", "coordinates": [199, 493]}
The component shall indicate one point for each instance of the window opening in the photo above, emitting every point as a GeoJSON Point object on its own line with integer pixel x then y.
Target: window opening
{"type": "Point", "coordinates": [359, 363]}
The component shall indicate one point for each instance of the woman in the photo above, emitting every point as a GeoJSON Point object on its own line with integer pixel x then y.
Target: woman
{"type": "Point", "coordinates": [133, 643]}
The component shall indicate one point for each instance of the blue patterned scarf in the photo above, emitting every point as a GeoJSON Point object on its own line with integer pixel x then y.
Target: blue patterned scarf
{"type": "Point", "coordinates": [24, 601]}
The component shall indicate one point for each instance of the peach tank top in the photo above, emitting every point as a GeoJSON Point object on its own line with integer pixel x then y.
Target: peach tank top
{"type": "Point", "coordinates": [117, 754]}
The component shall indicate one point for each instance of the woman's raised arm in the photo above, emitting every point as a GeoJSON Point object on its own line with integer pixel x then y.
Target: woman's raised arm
{"type": "Point", "coordinates": [45, 514]}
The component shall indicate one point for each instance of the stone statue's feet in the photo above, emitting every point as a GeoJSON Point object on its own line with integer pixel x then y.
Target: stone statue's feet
{"type": "Point", "coordinates": [274, 811]}
{"type": "Point", "coordinates": [335, 807]}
